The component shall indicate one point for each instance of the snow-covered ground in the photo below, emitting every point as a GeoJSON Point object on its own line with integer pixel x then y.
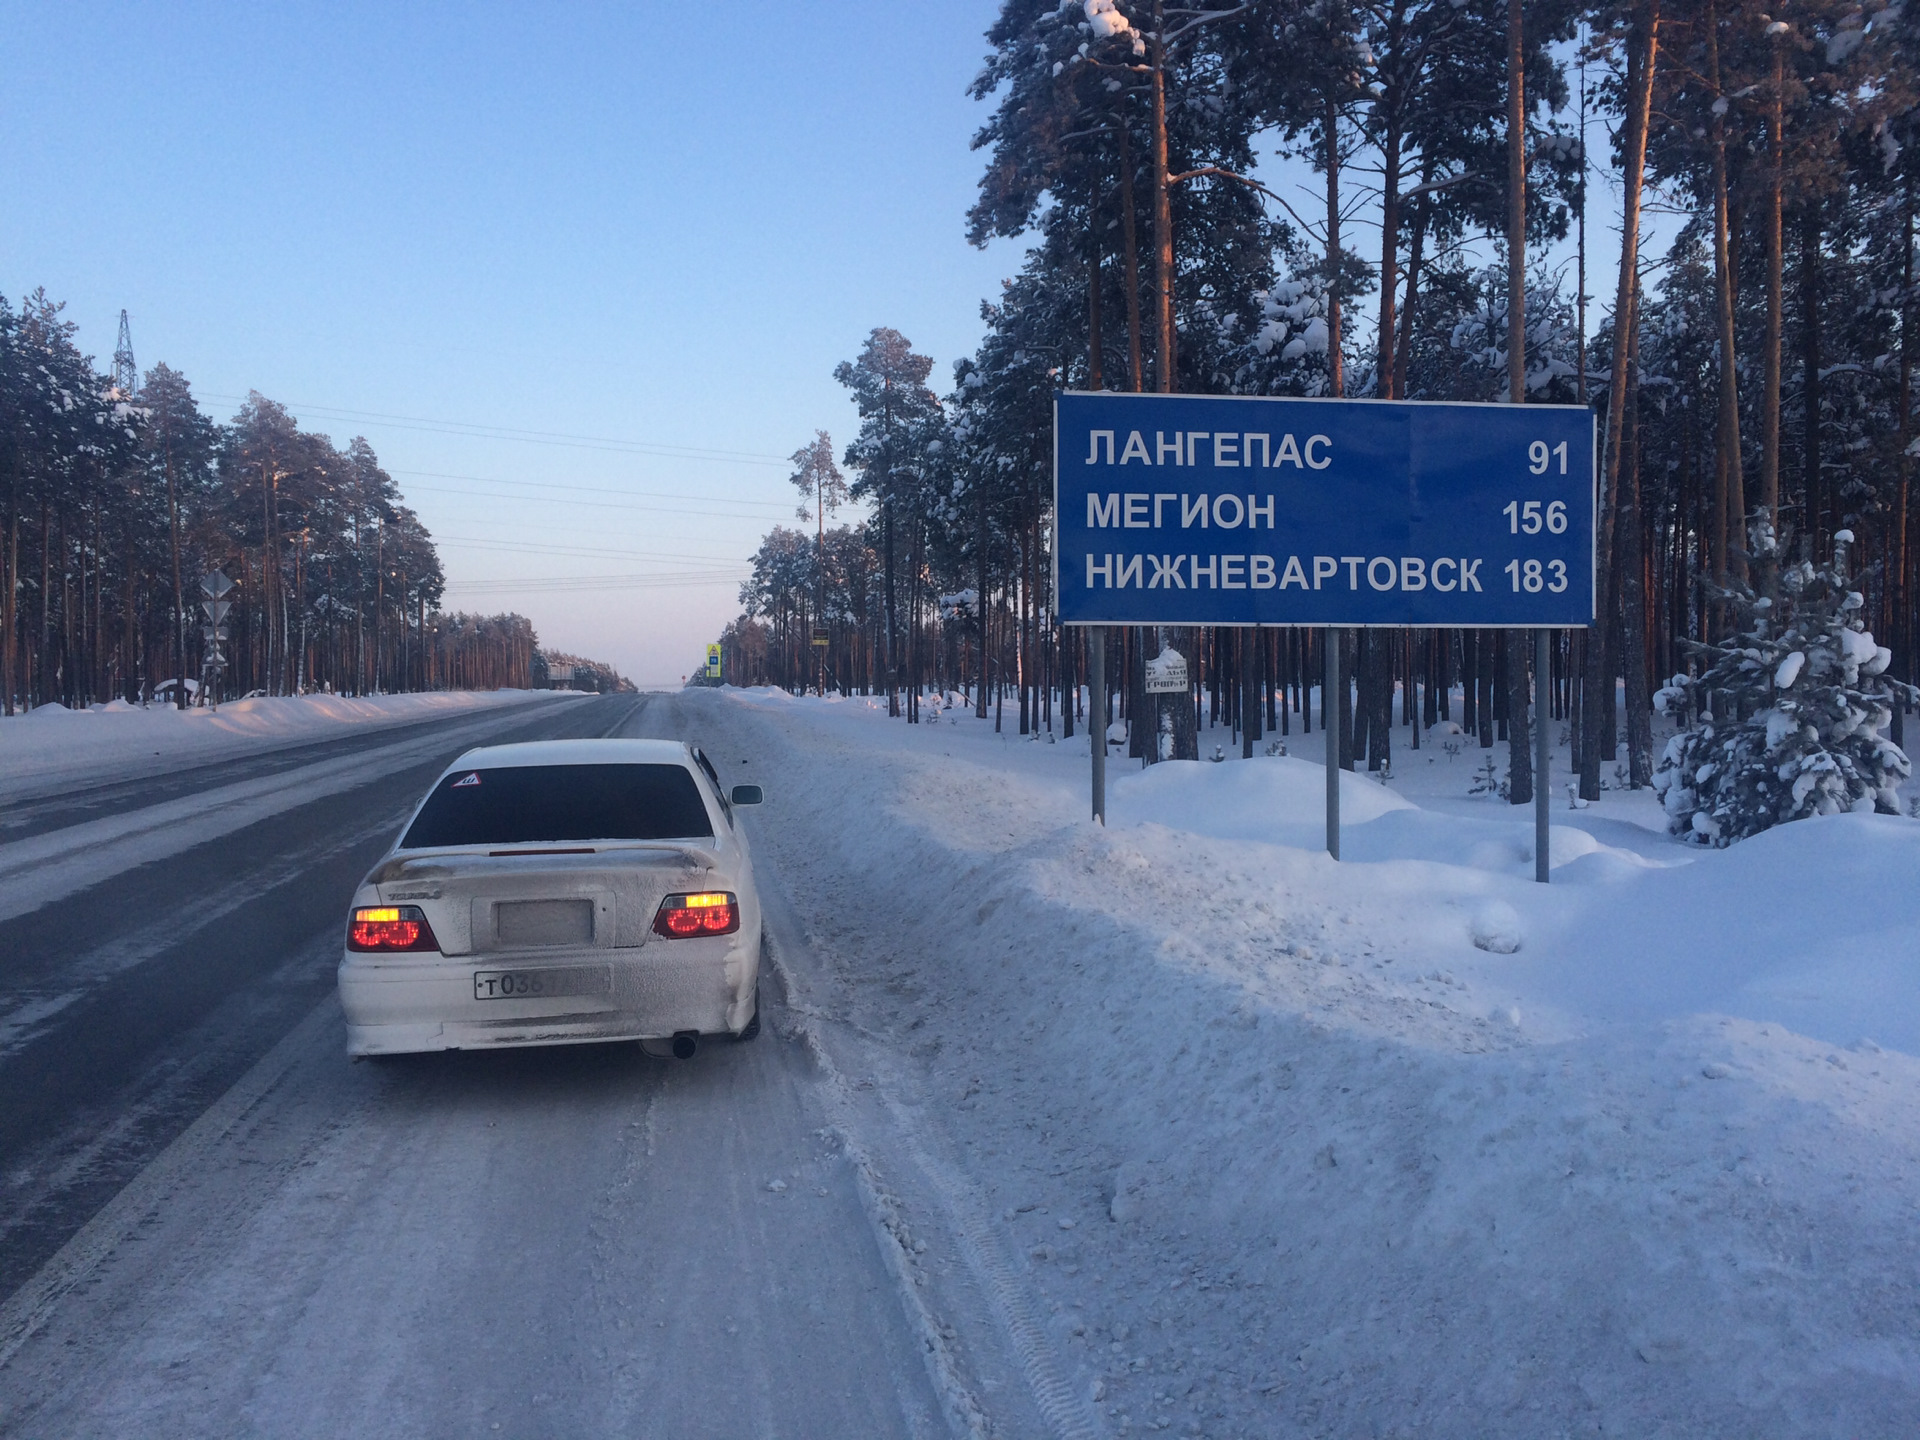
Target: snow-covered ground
{"type": "Point", "coordinates": [1287, 1151]}
{"type": "Point", "coordinates": [52, 747]}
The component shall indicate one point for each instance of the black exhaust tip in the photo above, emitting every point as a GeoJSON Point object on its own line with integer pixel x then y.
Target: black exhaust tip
{"type": "Point", "coordinates": [685, 1042]}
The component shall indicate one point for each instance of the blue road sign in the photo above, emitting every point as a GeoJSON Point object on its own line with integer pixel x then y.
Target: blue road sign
{"type": "Point", "coordinates": [1230, 510]}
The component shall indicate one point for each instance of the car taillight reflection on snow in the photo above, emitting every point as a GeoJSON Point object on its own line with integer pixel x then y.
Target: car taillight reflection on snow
{"type": "Point", "coordinates": [685, 915]}
{"type": "Point", "coordinates": [390, 927]}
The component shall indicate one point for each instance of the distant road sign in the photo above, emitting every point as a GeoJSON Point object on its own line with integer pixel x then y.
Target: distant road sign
{"type": "Point", "coordinates": [1228, 510]}
{"type": "Point", "coordinates": [216, 584]}
{"type": "Point", "coordinates": [713, 662]}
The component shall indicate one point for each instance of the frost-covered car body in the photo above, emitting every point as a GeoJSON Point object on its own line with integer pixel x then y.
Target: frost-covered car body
{"type": "Point", "coordinates": [517, 935]}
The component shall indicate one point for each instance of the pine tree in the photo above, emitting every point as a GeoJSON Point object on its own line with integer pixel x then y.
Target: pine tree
{"type": "Point", "coordinates": [1784, 719]}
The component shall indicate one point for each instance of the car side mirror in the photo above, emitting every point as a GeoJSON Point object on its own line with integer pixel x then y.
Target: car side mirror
{"type": "Point", "coordinates": [747, 795]}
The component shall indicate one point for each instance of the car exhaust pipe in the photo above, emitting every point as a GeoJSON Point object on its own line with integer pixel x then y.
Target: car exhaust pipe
{"type": "Point", "coordinates": [685, 1042]}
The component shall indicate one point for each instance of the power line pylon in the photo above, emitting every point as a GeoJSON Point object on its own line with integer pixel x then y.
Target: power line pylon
{"type": "Point", "coordinates": [126, 379]}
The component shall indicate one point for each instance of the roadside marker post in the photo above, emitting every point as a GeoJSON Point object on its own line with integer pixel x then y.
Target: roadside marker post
{"type": "Point", "coordinates": [1214, 510]}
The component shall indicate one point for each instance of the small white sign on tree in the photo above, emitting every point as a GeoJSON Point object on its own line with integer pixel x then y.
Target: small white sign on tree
{"type": "Point", "coordinates": [1167, 673]}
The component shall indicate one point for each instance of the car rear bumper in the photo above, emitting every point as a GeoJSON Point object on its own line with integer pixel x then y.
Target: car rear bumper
{"type": "Point", "coordinates": [401, 1004]}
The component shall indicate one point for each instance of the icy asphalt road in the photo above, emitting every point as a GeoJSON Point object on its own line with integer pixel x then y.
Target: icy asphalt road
{"type": "Point", "coordinates": [214, 1224]}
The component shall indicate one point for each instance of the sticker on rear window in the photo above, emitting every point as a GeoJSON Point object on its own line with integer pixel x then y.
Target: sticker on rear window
{"type": "Point", "coordinates": [473, 778]}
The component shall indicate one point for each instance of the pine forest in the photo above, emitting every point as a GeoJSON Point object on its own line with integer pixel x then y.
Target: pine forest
{"type": "Point", "coordinates": [121, 494]}
{"type": "Point", "coordinates": [1451, 164]}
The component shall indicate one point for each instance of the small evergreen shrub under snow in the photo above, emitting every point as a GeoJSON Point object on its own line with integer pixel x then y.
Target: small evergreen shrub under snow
{"type": "Point", "coordinates": [1812, 687]}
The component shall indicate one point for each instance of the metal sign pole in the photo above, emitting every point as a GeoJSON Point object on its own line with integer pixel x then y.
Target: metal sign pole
{"type": "Point", "coordinates": [1330, 733]}
{"type": "Point", "coordinates": [1097, 716]}
{"type": "Point", "coordinates": [1542, 754]}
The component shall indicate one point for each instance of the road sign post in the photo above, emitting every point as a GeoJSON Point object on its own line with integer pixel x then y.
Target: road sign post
{"type": "Point", "coordinates": [1330, 737]}
{"type": "Point", "coordinates": [1097, 716]}
{"type": "Point", "coordinates": [1542, 754]}
{"type": "Point", "coordinates": [1233, 510]}
{"type": "Point", "coordinates": [214, 661]}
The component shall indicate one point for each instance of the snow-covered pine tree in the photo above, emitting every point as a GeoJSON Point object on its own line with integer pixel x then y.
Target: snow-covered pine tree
{"type": "Point", "coordinates": [1785, 719]}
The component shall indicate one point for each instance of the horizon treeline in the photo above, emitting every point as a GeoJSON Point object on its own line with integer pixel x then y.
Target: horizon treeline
{"type": "Point", "coordinates": [1756, 373]}
{"type": "Point", "coordinates": [117, 504]}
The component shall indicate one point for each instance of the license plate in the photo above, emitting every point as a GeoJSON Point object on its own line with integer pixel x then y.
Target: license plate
{"type": "Point", "coordinates": [536, 984]}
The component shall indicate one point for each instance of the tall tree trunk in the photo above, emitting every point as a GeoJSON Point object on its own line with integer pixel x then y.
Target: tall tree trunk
{"type": "Point", "coordinates": [1384, 370]}
{"type": "Point", "coordinates": [1813, 523]}
{"type": "Point", "coordinates": [1580, 250]}
{"type": "Point", "coordinates": [1728, 494]}
{"type": "Point", "coordinates": [1129, 241]}
{"type": "Point", "coordinates": [980, 601]}
{"type": "Point", "coordinates": [379, 602]}
{"type": "Point", "coordinates": [1640, 68]}
{"type": "Point", "coordinates": [888, 657]}
{"type": "Point", "coordinates": [8, 678]}
{"type": "Point", "coordinates": [1415, 256]}
{"type": "Point", "coordinates": [1165, 362]}
{"type": "Point", "coordinates": [179, 626]}
{"type": "Point", "coordinates": [1094, 382]}
{"type": "Point", "coordinates": [1380, 723]}
{"type": "Point", "coordinates": [1632, 580]}
{"type": "Point", "coordinates": [1770, 358]}
{"type": "Point", "coordinates": [1519, 744]}
{"type": "Point", "coordinates": [1336, 381]}
{"type": "Point", "coordinates": [1903, 558]}
{"type": "Point", "coordinates": [131, 690]}
{"type": "Point", "coordinates": [1249, 645]}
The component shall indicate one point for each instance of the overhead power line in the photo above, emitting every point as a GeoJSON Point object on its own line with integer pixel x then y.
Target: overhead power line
{"type": "Point", "coordinates": [528, 437]}
{"type": "Point", "coordinates": [539, 547]}
{"type": "Point", "coordinates": [600, 504]}
{"type": "Point", "coordinates": [569, 584]}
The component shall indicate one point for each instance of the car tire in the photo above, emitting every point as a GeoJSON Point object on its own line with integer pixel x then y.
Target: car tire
{"type": "Point", "coordinates": [752, 1030]}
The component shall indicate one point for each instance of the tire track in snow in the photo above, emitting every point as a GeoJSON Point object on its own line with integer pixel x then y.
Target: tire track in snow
{"type": "Point", "coordinates": [29, 1307]}
{"type": "Point", "coordinates": [1067, 1415]}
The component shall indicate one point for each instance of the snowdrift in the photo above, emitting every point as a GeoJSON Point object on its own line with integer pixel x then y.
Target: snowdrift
{"type": "Point", "coordinates": [54, 744]}
{"type": "Point", "coordinates": [1331, 1165]}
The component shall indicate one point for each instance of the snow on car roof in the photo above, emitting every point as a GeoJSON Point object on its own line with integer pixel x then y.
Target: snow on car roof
{"type": "Point", "coordinates": [574, 752]}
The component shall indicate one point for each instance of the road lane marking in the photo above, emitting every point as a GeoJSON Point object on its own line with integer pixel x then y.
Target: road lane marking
{"type": "Point", "coordinates": [45, 868]}
{"type": "Point", "coordinates": [29, 1307]}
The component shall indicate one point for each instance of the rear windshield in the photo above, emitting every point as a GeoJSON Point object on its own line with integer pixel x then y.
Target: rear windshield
{"type": "Point", "coordinates": [523, 803]}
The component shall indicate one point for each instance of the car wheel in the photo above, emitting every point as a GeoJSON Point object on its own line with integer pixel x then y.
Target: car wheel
{"type": "Point", "coordinates": [752, 1030]}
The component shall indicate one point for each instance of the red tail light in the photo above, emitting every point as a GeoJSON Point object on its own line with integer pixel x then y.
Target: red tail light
{"type": "Point", "coordinates": [390, 928]}
{"type": "Point", "coordinates": [682, 916]}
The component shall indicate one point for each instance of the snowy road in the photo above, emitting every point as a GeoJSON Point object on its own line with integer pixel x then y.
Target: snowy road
{"type": "Point", "coordinates": [215, 1224]}
{"type": "Point", "coordinates": [1033, 1145]}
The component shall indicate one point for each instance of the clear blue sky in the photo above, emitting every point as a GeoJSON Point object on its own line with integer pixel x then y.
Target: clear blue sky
{"type": "Point", "coordinates": [660, 224]}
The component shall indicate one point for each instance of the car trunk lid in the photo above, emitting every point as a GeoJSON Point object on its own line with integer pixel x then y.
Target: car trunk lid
{"type": "Point", "coordinates": [537, 899]}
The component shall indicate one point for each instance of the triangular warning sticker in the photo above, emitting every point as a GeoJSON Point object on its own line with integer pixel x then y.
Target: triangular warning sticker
{"type": "Point", "coordinates": [473, 778]}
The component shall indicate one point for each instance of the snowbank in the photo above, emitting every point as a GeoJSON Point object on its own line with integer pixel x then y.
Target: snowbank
{"type": "Point", "coordinates": [53, 745]}
{"type": "Point", "coordinates": [1287, 1149]}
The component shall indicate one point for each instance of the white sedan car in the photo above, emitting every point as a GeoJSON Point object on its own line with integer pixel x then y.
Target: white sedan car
{"type": "Point", "coordinates": [559, 892]}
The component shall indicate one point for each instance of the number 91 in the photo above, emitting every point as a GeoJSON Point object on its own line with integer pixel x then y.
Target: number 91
{"type": "Point", "coordinates": [1540, 454]}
